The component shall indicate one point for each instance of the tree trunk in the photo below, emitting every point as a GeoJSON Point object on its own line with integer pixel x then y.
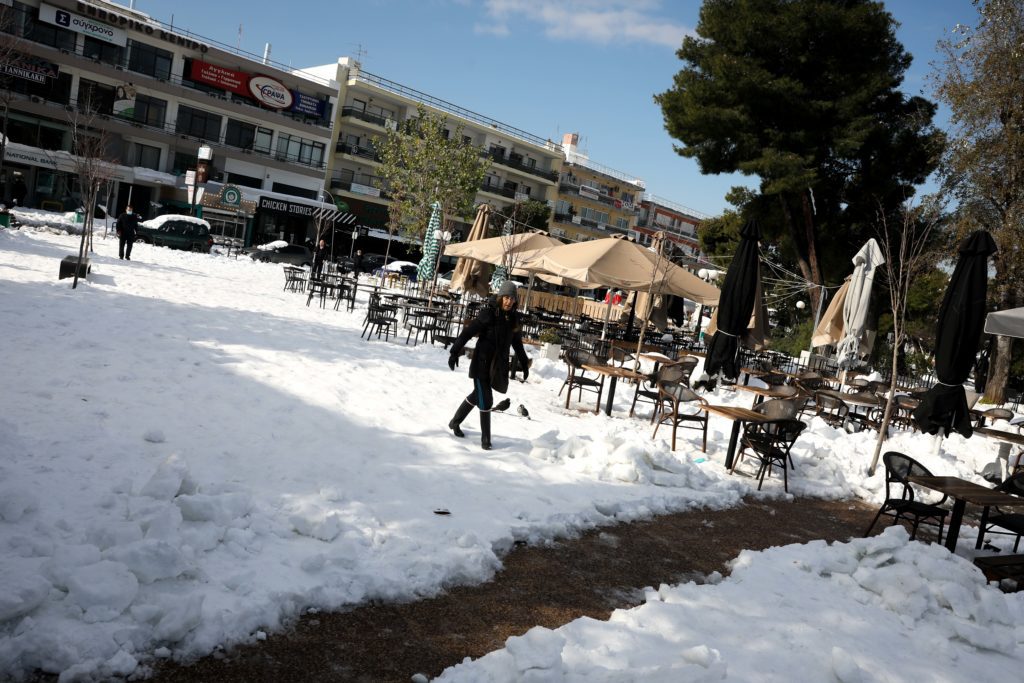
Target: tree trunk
{"type": "Point", "coordinates": [999, 371]}
{"type": "Point", "coordinates": [814, 265]}
{"type": "Point", "coordinates": [883, 430]}
{"type": "Point", "coordinates": [798, 242]}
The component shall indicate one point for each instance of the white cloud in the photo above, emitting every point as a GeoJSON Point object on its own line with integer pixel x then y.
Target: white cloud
{"type": "Point", "coordinates": [600, 21]}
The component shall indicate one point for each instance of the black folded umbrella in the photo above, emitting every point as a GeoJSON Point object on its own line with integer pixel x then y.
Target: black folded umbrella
{"type": "Point", "coordinates": [735, 307]}
{"type": "Point", "coordinates": [961, 318]}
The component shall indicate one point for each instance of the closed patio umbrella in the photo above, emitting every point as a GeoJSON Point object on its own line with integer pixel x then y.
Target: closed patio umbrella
{"type": "Point", "coordinates": [739, 294]}
{"type": "Point", "coordinates": [944, 407]}
{"type": "Point", "coordinates": [853, 343]}
{"type": "Point", "coordinates": [830, 327]}
{"type": "Point", "coordinates": [428, 264]}
{"type": "Point", "coordinates": [471, 275]}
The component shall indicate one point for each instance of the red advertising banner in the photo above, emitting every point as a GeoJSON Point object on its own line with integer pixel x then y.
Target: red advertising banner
{"type": "Point", "coordinates": [220, 77]}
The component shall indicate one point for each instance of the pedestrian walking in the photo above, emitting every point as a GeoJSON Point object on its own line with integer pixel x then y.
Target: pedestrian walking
{"type": "Point", "coordinates": [319, 256]}
{"type": "Point", "coordinates": [497, 329]}
{"type": "Point", "coordinates": [127, 223]}
{"type": "Point", "coordinates": [357, 262]}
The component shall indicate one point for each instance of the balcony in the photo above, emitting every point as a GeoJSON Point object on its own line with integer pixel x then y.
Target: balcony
{"type": "Point", "coordinates": [344, 180]}
{"type": "Point", "coordinates": [381, 121]}
{"type": "Point", "coordinates": [498, 190]}
{"type": "Point", "coordinates": [515, 161]}
{"type": "Point", "coordinates": [357, 151]}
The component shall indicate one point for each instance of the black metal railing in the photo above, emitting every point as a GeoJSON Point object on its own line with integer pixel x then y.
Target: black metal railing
{"type": "Point", "coordinates": [357, 151]}
{"type": "Point", "coordinates": [381, 121]}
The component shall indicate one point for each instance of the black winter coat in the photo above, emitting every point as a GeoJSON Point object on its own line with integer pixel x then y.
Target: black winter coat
{"type": "Point", "coordinates": [497, 331]}
{"type": "Point", "coordinates": [127, 223]}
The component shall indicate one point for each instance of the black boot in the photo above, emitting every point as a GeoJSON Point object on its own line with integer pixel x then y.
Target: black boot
{"type": "Point", "coordinates": [460, 415]}
{"type": "Point", "coordinates": [485, 430]}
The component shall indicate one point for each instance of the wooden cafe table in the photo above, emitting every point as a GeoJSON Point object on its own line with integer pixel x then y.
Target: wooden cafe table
{"type": "Point", "coordinates": [963, 492]}
{"type": "Point", "coordinates": [738, 416]}
{"type": "Point", "coordinates": [615, 373]}
{"type": "Point", "coordinates": [761, 393]}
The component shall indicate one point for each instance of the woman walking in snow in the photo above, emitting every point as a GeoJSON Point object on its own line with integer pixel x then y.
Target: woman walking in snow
{"type": "Point", "coordinates": [497, 328]}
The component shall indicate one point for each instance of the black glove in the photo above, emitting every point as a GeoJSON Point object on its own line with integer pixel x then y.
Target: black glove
{"type": "Point", "coordinates": [526, 373]}
{"type": "Point", "coordinates": [453, 362]}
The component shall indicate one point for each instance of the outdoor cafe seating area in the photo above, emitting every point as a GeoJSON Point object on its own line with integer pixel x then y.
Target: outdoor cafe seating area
{"type": "Point", "coordinates": [765, 412]}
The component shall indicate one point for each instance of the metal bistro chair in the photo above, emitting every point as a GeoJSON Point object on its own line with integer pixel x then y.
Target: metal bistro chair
{"type": "Point", "coordinates": [1011, 520]}
{"type": "Point", "coordinates": [577, 377]}
{"type": "Point", "coordinates": [831, 409]}
{"type": "Point", "coordinates": [773, 409]}
{"type": "Point", "coordinates": [993, 414]}
{"type": "Point", "coordinates": [898, 470]}
{"type": "Point", "coordinates": [666, 373]}
{"type": "Point", "coordinates": [679, 396]}
{"type": "Point", "coordinates": [379, 318]}
{"type": "Point", "coordinates": [771, 442]}
{"type": "Point", "coordinates": [675, 372]}
{"type": "Point", "coordinates": [903, 411]}
{"type": "Point", "coordinates": [294, 279]}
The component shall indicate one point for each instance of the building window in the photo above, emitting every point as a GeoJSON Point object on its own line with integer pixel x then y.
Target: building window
{"type": "Point", "coordinates": [198, 123]}
{"type": "Point", "coordinates": [563, 207]}
{"type": "Point", "coordinates": [239, 134]}
{"type": "Point", "coordinates": [150, 111]}
{"type": "Point", "coordinates": [54, 90]}
{"type": "Point", "coordinates": [301, 150]}
{"type": "Point", "coordinates": [245, 180]}
{"type": "Point", "coordinates": [147, 156]}
{"type": "Point", "coordinates": [262, 143]}
{"type": "Point", "coordinates": [622, 223]}
{"type": "Point", "coordinates": [149, 60]}
{"type": "Point", "coordinates": [95, 97]}
{"type": "Point", "coordinates": [41, 32]}
{"type": "Point", "coordinates": [294, 191]}
{"type": "Point", "coordinates": [101, 51]}
{"type": "Point", "coordinates": [594, 215]}
{"type": "Point", "coordinates": [229, 227]}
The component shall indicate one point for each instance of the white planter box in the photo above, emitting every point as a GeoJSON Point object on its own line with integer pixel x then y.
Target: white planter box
{"type": "Point", "coordinates": [550, 351]}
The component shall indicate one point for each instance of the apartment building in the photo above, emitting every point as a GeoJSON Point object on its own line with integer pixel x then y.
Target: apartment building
{"type": "Point", "coordinates": [679, 223]}
{"type": "Point", "coordinates": [522, 166]}
{"type": "Point", "coordinates": [158, 95]}
{"type": "Point", "coordinates": [594, 201]}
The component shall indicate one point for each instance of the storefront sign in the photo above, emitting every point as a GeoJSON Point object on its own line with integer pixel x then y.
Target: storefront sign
{"type": "Point", "coordinates": [281, 206]}
{"type": "Point", "coordinates": [364, 189]}
{"type": "Point", "coordinates": [231, 195]}
{"type": "Point", "coordinates": [84, 25]}
{"type": "Point", "coordinates": [29, 68]}
{"type": "Point", "coordinates": [307, 104]}
{"type": "Point", "coordinates": [270, 92]}
{"type": "Point", "coordinates": [220, 77]}
{"type": "Point", "coordinates": [124, 21]}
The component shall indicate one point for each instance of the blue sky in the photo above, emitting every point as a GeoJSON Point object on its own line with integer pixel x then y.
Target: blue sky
{"type": "Point", "coordinates": [545, 66]}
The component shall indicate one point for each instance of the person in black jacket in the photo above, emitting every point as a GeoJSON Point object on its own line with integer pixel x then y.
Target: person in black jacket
{"type": "Point", "coordinates": [319, 256]}
{"type": "Point", "coordinates": [127, 223]}
{"type": "Point", "coordinates": [497, 329]}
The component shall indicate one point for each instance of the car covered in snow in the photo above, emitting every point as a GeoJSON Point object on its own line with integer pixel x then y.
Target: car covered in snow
{"type": "Point", "coordinates": [280, 251]}
{"type": "Point", "coordinates": [176, 231]}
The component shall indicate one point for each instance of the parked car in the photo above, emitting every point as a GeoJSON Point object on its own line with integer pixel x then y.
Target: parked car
{"type": "Point", "coordinates": [176, 231]}
{"type": "Point", "coordinates": [281, 252]}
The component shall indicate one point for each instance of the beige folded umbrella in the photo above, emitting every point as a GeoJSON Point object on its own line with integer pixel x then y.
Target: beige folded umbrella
{"type": "Point", "coordinates": [830, 327]}
{"type": "Point", "coordinates": [473, 275]}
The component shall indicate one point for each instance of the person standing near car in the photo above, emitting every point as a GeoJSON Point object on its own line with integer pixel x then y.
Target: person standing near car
{"type": "Point", "coordinates": [127, 224]}
{"type": "Point", "coordinates": [357, 262]}
{"type": "Point", "coordinates": [497, 330]}
{"type": "Point", "coordinates": [319, 256]}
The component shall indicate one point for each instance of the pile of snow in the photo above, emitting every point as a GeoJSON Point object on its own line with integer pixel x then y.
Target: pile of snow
{"type": "Point", "coordinates": [876, 609]}
{"type": "Point", "coordinates": [192, 457]}
{"type": "Point", "coordinates": [276, 244]}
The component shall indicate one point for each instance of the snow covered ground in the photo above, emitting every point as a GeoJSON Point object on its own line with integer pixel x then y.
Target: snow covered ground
{"type": "Point", "coordinates": [189, 456]}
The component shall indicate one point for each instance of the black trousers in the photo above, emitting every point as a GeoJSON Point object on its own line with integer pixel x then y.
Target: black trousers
{"type": "Point", "coordinates": [124, 247]}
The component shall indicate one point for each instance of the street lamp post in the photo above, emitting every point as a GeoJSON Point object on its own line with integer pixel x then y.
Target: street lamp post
{"type": "Point", "coordinates": [203, 157]}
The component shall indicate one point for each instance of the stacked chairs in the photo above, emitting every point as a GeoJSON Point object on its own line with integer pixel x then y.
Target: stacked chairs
{"type": "Point", "coordinates": [379, 318]}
